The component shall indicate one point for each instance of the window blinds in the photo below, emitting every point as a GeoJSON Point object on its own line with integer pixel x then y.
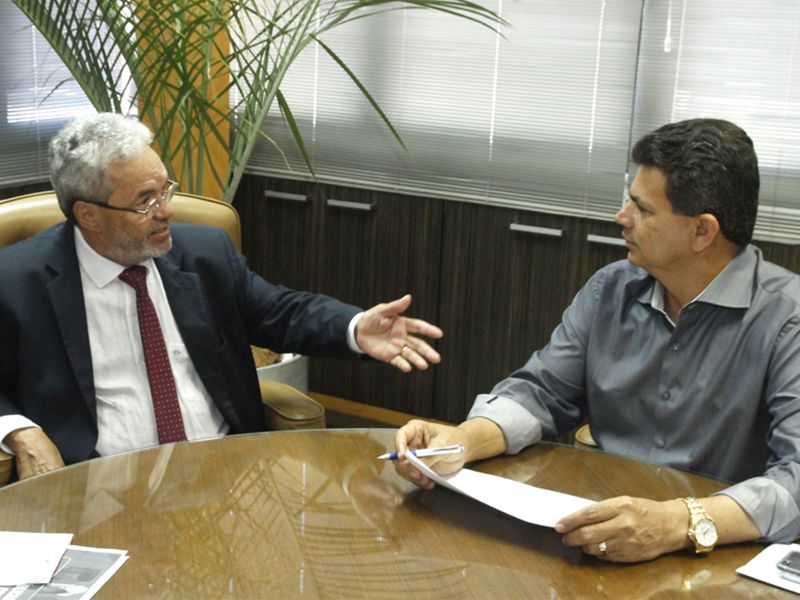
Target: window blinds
{"type": "Point", "coordinates": [534, 115]}
{"type": "Point", "coordinates": [37, 96]}
{"type": "Point", "coordinates": [537, 115]}
{"type": "Point", "coordinates": [738, 61]}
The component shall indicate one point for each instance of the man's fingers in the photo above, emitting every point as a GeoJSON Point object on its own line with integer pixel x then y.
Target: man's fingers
{"type": "Point", "coordinates": [600, 550]}
{"type": "Point", "coordinates": [596, 513]}
{"type": "Point", "coordinates": [412, 353]}
{"type": "Point", "coordinates": [401, 363]}
{"type": "Point", "coordinates": [423, 328]}
{"type": "Point", "coordinates": [417, 351]}
{"type": "Point", "coordinates": [408, 471]}
{"type": "Point", "coordinates": [396, 307]}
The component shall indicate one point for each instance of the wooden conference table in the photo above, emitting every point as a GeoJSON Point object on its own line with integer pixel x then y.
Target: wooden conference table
{"type": "Point", "coordinates": [313, 514]}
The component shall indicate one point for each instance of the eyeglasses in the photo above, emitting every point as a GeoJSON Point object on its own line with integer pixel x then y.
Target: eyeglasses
{"type": "Point", "coordinates": [149, 206]}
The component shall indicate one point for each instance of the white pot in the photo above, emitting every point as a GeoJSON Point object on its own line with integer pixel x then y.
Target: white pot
{"type": "Point", "coordinates": [291, 370]}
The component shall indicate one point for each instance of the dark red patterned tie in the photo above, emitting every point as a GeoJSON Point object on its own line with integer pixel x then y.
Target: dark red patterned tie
{"type": "Point", "coordinates": [159, 373]}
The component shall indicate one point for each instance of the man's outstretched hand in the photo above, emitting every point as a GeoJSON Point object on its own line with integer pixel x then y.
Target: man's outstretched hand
{"type": "Point", "coordinates": [386, 335]}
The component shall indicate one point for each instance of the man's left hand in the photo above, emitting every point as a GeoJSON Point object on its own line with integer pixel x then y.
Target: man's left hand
{"type": "Point", "coordinates": [626, 529]}
{"type": "Point", "coordinates": [386, 335]}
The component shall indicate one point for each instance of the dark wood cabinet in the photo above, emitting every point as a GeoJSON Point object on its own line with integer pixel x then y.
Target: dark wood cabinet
{"type": "Point", "coordinates": [278, 235]}
{"type": "Point", "coordinates": [375, 247]}
{"type": "Point", "coordinates": [495, 279]}
{"type": "Point", "coordinates": [509, 276]}
{"type": "Point", "coordinates": [359, 246]}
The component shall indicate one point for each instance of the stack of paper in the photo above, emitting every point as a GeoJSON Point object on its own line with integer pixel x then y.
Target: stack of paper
{"type": "Point", "coordinates": [44, 564]}
{"type": "Point", "coordinates": [30, 557]}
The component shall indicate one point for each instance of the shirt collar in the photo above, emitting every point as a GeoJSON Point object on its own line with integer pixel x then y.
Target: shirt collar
{"type": "Point", "coordinates": [100, 270]}
{"type": "Point", "coordinates": [731, 288]}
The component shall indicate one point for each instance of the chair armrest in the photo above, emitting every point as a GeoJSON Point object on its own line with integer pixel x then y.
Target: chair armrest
{"type": "Point", "coordinates": [583, 436]}
{"type": "Point", "coordinates": [288, 408]}
{"type": "Point", "coordinates": [6, 466]}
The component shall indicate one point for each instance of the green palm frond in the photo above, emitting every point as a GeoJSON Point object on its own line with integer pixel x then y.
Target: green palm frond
{"type": "Point", "coordinates": [177, 62]}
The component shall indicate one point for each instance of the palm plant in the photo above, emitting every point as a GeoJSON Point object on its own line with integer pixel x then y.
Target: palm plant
{"type": "Point", "coordinates": [204, 74]}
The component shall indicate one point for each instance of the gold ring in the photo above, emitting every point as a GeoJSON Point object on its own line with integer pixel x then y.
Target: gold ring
{"type": "Point", "coordinates": [603, 548]}
{"type": "Point", "coordinates": [403, 349]}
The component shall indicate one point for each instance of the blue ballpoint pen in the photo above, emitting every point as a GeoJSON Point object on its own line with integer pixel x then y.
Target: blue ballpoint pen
{"type": "Point", "coordinates": [426, 452]}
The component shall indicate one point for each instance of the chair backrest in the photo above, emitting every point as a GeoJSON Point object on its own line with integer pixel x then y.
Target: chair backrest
{"type": "Point", "coordinates": [24, 216]}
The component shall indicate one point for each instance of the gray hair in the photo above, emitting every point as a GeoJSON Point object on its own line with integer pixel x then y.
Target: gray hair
{"type": "Point", "coordinates": [84, 148]}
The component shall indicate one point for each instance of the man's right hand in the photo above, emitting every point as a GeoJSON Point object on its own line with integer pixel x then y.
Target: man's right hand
{"type": "Point", "coordinates": [35, 452]}
{"type": "Point", "coordinates": [417, 434]}
{"type": "Point", "coordinates": [480, 437]}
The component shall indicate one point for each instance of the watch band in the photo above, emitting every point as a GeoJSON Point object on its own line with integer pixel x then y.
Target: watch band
{"type": "Point", "coordinates": [702, 528]}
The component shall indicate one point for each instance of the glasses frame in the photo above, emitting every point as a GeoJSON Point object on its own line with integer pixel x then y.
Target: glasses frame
{"type": "Point", "coordinates": [167, 194]}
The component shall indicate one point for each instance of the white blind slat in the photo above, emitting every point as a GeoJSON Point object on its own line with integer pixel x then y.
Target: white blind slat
{"type": "Point", "coordinates": [541, 113]}
{"type": "Point", "coordinates": [31, 112]}
{"type": "Point", "coordinates": [738, 61]}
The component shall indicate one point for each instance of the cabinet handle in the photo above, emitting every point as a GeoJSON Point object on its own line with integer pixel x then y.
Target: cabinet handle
{"type": "Point", "coordinates": [604, 239]}
{"type": "Point", "coordinates": [285, 196]}
{"type": "Point", "coordinates": [535, 230]}
{"type": "Point", "coordinates": [351, 205]}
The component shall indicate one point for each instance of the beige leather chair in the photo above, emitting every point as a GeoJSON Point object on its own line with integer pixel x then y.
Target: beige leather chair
{"type": "Point", "coordinates": [583, 436]}
{"type": "Point", "coordinates": [24, 216]}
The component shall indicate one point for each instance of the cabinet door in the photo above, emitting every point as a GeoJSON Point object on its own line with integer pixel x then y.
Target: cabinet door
{"type": "Point", "coordinates": [503, 291]}
{"type": "Point", "coordinates": [278, 229]}
{"type": "Point", "coordinates": [375, 247]}
{"type": "Point", "coordinates": [507, 277]}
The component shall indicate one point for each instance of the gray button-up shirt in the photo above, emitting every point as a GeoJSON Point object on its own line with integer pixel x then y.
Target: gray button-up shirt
{"type": "Point", "coordinates": [718, 392]}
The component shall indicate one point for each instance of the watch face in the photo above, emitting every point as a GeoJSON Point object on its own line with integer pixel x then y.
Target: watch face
{"type": "Point", "coordinates": [706, 532]}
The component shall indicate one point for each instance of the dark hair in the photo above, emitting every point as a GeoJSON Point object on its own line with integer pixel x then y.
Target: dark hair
{"type": "Point", "coordinates": [711, 167]}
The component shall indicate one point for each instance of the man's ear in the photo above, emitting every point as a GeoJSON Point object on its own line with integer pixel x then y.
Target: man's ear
{"type": "Point", "coordinates": [85, 215]}
{"type": "Point", "coordinates": [706, 230]}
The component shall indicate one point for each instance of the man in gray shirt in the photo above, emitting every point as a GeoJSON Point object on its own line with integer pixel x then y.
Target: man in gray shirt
{"type": "Point", "coordinates": [685, 354]}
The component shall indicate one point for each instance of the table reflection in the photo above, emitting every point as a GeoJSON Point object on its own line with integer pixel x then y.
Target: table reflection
{"type": "Point", "coordinates": [314, 514]}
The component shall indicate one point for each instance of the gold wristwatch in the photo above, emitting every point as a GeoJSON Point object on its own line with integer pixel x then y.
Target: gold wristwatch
{"type": "Point", "coordinates": [702, 529]}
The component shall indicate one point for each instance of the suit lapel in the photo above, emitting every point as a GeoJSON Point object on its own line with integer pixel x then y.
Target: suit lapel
{"type": "Point", "coordinates": [193, 316]}
{"type": "Point", "coordinates": [188, 304]}
{"type": "Point", "coordinates": [66, 297]}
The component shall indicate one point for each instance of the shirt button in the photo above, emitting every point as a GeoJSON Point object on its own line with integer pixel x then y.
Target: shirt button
{"type": "Point", "coordinates": [660, 443]}
{"type": "Point", "coordinates": [676, 347]}
{"type": "Point", "coordinates": [665, 395]}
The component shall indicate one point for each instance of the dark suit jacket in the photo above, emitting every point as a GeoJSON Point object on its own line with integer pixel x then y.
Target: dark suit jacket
{"type": "Point", "coordinates": [220, 306]}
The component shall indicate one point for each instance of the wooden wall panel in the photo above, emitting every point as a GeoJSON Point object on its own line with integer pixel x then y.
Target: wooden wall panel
{"type": "Point", "coordinates": [497, 293]}
{"type": "Point", "coordinates": [371, 256]}
{"type": "Point", "coordinates": [278, 235]}
{"type": "Point", "coordinates": [361, 257]}
{"type": "Point", "coordinates": [504, 293]}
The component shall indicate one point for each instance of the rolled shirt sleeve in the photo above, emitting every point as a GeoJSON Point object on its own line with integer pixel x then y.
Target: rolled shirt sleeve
{"type": "Point", "coordinates": [547, 395]}
{"type": "Point", "coordinates": [520, 428]}
{"type": "Point", "coordinates": [771, 506]}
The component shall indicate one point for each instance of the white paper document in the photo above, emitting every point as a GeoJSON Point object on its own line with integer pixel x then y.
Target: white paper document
{"type": "Point", "coordinates": [526, 502]}
{"type": "Point", "coordinates": [763, 566]}
{"type": "Point", "coordinates": [80, 575]}
{"type": "Point", "coordinates": [30, 557]}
